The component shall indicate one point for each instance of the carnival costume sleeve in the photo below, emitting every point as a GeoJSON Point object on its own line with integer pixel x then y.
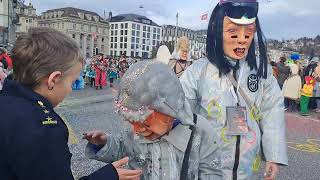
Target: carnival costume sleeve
{"type": "Point", "coordinates": [112, 151]}
{"type": "Point", "coordinates": [273, 125]}
{"type": "Point", "coordinates": [189, 81]}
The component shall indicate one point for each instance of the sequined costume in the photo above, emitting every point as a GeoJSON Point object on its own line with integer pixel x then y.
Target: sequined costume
{"type": "Point", "coordinates": [154, 85]}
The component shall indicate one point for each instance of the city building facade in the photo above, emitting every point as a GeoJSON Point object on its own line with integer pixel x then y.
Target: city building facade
{"type": "Point", "coordinates": [88, 29]}
{"type": "Point", "coordinates": [7, 22]}
{"type": "Point", "coordinates": [197, 39]}
{"type": "Point", "coordinates": [133, 35]}
{"type": "Point", "coordinates": [27, 18]}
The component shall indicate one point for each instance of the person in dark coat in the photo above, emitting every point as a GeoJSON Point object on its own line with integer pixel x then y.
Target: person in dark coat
{"type": "Point", "coordinates": [283, 71]}
{"type": "Point", "coordinates": [33, 136]}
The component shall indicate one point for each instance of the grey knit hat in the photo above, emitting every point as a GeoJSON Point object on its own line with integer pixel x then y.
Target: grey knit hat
{"type": "Point", "coordinates": [149, 86]}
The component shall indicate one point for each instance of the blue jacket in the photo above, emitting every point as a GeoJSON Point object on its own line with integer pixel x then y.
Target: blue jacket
{"type": "Point", "coordinates": [34, 139]}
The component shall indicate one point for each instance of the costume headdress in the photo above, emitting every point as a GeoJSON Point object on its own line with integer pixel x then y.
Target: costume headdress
{"type": "Point", "coordinates": [149, 86]}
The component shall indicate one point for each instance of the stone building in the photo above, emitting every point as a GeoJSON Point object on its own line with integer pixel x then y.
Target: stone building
{"type": "Point", "coordinates": [27, 18]}
{"type": "Point", "coordinates": [88, 29]}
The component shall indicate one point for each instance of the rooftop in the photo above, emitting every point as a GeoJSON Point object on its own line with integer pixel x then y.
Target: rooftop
{"type": "Point", "coordinates": [134, 18]}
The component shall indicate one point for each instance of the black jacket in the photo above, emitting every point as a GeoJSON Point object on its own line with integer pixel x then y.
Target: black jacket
{"type": "Point", "coordinates": [34, 139]}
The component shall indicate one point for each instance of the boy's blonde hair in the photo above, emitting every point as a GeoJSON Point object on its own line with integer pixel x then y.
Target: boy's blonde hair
{"type": "Point", "coordinates": [40, 52]}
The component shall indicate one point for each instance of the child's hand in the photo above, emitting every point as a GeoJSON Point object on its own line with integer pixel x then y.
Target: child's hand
{"type": "Point", "coordinates": [96, 137]}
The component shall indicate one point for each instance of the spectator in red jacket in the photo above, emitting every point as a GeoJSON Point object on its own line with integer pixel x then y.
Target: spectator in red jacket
{"type": "Point", "coordinates": [5, 57]}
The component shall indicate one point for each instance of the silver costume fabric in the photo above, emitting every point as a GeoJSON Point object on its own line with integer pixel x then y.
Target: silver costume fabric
{"type": "Point", "coordinates": [162, 159]}
{"type": "Point", "coordinates": [153, 85]}
{"type": "Point", "coordinates": [209, 95]}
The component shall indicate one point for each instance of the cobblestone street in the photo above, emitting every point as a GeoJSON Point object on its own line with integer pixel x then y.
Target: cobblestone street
{"type": "Point", "coordinates": [92, 109]}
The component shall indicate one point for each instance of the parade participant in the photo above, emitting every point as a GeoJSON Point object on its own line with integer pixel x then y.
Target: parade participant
{"type": "Point", "coordinates": [90, 73]}
{"type": "Point", "coordinates": [316, 90]}
{"type": "Point", "coordinates": [283, 71]}
{"type": "Point", "coordinates": [167, 141]}
{"type": "Point", "coordinates": [34, 137]}
{"type": "Point", "coordinates": [100, 65]}
{"type": "Point", "coordinates": [5, 57]}
{"type": "Point", "coordinates": [292, 88]}
{"type": "Point", "coordinates": [232, 82]}
{"type": "Point", "coordinates": [3, 74]}
{"type": "Point", "coordinates": [306, 94]}
{"type": "Point", "coordinates": [112, 71]}
{"type": "Point", "coordinates": [180, 59]}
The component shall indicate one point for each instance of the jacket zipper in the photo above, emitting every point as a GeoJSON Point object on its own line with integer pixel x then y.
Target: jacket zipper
{"type": "Point", "coordinates": [237, 159]}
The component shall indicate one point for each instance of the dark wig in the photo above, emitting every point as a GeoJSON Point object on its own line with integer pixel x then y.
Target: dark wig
{"type": "Point", "coordinates": [215, 50]}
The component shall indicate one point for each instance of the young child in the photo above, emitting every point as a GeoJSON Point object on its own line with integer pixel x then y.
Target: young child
{"type": "Point", "coordinates": [167, 141]}
{"type": "Point", "coordinates": [34, 137]}
{"type": "Point", "coordinates": [306, 93]}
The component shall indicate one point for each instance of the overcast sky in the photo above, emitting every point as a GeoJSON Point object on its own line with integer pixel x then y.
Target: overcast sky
{"type": "Point", "coordinates": [280, 19]}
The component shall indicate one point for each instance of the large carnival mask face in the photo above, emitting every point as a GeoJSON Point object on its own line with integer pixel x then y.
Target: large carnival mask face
{"type": "Point", "coordinates": [237, 38]}
{"type": "Point", "coordinates": [156, 125]}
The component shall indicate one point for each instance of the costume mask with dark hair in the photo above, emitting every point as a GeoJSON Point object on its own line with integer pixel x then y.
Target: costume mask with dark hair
{"type": "Point", "coordinates": [231, 35]}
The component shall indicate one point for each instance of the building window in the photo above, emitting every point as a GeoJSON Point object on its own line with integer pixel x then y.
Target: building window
{"type": "Point", "coordinates": [122, 26]}
{"type": "Point", "coordinates": [126, 32]}
{"type": "Point", "coordinates": [121, 39]}
{"type": "Point", "coordinates": [132, 54]}
{"type": "Point", "coordinates": [115, 45]}
{"type": "Point", "coordinates": [154, 36]}
{"type": "Point", "coordinates": [143, 47]}
{"type": "Point", "coordinates": [133, 26]}
{"type": "Point", "coordinates": [132, 39]}
{"type": "Point", "coordinates": [149, 29]}
{"type": "Point", "coordinates": [148, 35]}
{"type": "Point", "coordinates": [158, 37]}
{"type": "Point", "coordinates": [133, 33]}
{"type": "Point", "coordinates": [138, 26]}
{"type": "Point", "coordinates": [121, 32]}
{"type": "Point", "coordinates": [143, 41]}
{"type": "Point", "coordinates": [137, 40]}
{"type": "Point", "coordinates": [115, 39]}
{"type": "Point", "coordinates": [112, 26]}
{"type": "Point", "coordinates": [138, 33]}
{"type": "Point", "coordinates": [102, 39]}
{"type": "Point", "coordinates": [111, 53]}
{"type": "Point", "coordinates": [154, 30]}
{"type": "Point", "coordinates": [144, 28]}
{"type": "Point", "coordinates": [154, 42]}
{"type": "Point", "coordinates": [132, 46]}
{"type": "Point", "coordinates": [125, 45]}
{"type": "Point", "coordinates": [125, 39]}
{"type": "Point", "coordinates": [126, 25]}
{"type": "Point", "coordinates": [116, 33]}
{"type": "Point", "coordinates": [73, 36]}
{"type": "Point", "coordinates": [121, 45]}
{"type": "Point", "coordinates": [111, 33]}
{"type": "Point", "coordinates": [111, 46]}
{"type": "Point", "coordinates": [147, 48]}
{"type": "Point", "coordinates": [116, 26]}
{"type": "Point", "coordinates": [144, 34]}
